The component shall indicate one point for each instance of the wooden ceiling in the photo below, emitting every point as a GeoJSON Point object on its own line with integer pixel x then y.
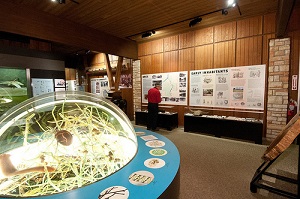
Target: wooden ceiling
{"type": "Point", "coordinates": [128, 19]}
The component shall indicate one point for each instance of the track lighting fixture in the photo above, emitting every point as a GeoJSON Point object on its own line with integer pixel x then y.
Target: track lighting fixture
{"type": "Point", "coordinates": [64, 1]}
{"type": "Point", "coordinates": [59, 1]}
{"type": "Point", "coordinates": [148, 34]}
{"type": "Point", "coordinates": [224, 12]}
{"type": "Point", "coordinates": [195, 21]}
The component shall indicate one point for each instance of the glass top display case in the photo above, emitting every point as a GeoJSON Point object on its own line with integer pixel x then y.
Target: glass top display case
{"type": "Point", "coordinates": [62, 141]}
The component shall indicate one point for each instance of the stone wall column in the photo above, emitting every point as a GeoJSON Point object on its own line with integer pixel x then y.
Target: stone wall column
{"type": "Point", "coordinates": [278, 79]}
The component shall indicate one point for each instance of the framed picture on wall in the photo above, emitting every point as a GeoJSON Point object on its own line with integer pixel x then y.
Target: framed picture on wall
{"type": "Point", "coordinates": [59, 83]}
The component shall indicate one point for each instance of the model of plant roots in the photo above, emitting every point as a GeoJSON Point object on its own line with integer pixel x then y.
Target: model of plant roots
{"type": "Point", "coordinates": [68, 147]}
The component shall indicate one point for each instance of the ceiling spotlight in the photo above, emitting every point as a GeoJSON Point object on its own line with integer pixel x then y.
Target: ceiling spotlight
{"type": "Point", "coordinates": [231, 3]}
{"type": "Point", "coordinates": [59, 1]}
{"type": "Point", "coordinates": [148, 34]}
{"type": "Point", "coordinates": [224, 12]}
{"type": "Point", "coordinates": [195, 21]}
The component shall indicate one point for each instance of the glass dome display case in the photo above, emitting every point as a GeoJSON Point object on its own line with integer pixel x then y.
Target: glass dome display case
{"type": "Point", "coordinates": [61, 141]}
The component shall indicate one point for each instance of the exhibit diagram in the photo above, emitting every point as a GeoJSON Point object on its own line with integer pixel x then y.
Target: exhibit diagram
{"type": "Point", "coordinates": [174, 87]}
{"type": "Point", "coordinates": [234, 87]}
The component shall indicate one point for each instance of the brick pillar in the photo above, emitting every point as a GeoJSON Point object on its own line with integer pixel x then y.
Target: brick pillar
{"type": "Point", "coordinates": [137, 100]}
{"type": "Point", "coordinates": [279, 65]}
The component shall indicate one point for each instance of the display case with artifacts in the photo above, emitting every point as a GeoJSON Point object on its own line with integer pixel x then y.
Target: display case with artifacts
{"type": "Point", "coordinates": [206, 121]}
{"type": "Point", "coordinates": [167, 117]}
{"type": "Point", "coordinates": [195, 111]}
{"type": "Point", "coordinates": [162, 109]}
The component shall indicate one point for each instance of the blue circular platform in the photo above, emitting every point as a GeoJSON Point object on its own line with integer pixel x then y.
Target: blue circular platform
{"type": "Point", "coordinates": [147, 176]}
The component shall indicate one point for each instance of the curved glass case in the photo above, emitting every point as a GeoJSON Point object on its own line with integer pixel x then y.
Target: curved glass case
{"type": "Point", "coordinates": [62, 141]}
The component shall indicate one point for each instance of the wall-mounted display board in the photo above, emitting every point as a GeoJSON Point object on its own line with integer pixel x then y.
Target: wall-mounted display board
{"type": "Point", "coordinates": [100, 86]}
{"type": "Point", "coordinates": [46, 81]}
{"type": "Point", "coordinates": [125, 81]}
{"type": "Point", "coordinates": [41, 86]}
{"type": "Point", "coordinates": [174, 87]}
{"type": "Point", "coordinates": [13, 88]}
{"type": "Point", "coordinates": [235, 87]}
{"type": "Point", "coordinates": [71, 85]}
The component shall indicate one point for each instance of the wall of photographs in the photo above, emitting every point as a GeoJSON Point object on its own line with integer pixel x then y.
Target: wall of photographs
{"type": "Point", "coordinates": [235, 87]}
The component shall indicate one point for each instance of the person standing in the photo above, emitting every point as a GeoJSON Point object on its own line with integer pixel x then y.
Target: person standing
{"type": "Point", "coordinates": [154, 98]}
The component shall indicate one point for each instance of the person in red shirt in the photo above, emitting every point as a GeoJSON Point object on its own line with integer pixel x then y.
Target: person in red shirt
{"type": "Point", "coordinates": [154, 98]}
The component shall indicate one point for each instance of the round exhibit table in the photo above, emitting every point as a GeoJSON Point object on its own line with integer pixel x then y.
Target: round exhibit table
{"type": "Point", "coordinates": [150, 175]}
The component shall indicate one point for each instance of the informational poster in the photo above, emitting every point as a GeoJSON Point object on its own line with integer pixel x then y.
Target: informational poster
{"type": "Point", "coordinates": [100, 86]}
{"type": "Point", "coordinates": [209, 87]}
{"type": "Point", "coordinates": [174, 87]}
{"type": "Point", "coordinates": [41, 86]}
{"type": "Point", "coordinates": [254, 87]}
{"type": "Point", "coordinates": [71, 85]}
{"type": "Point", "coordinates": [235, 87]}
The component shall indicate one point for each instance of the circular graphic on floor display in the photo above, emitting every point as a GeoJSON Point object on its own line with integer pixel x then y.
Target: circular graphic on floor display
{"type": "Point", "coordinates": [155, 143]}
{"type": "Point", "coordinates": [158, 152]}
{"type": "Point", "coordinates": [115, 192]}
{"type": "Point", "coordinates": [139, 133]}
{"type": "Point", "coordinates": [154, 163]}
{"type": "Point", "coordinates": [141, 178]}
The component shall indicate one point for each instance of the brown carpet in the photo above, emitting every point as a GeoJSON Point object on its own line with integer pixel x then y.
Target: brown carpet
{"type": "Point", "coordinates": [220, 168]}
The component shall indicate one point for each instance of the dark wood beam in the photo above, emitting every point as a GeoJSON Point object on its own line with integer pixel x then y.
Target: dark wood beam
{"type": "Point", "coordinates": [118, 73]}
{"type": "Point", "coordinates": [285, 8]}
{"type": "Point", "coordinates": [26, 21]}
{"type": "Point", "coordinates": [109, 73]}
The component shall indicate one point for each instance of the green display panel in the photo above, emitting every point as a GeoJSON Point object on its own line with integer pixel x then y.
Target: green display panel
{"type": "Point", "coordinates": [13, 88]}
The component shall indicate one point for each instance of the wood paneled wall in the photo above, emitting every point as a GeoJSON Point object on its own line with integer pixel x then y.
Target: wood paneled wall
{"type": "Point", "coordinates": [249, 50]}
{"type": "Point", "coordinates": [224, 54]}
{"type": "Point", "coordinates": [226, 45]}
{"type": "Point", "coordinates": [237, 43]}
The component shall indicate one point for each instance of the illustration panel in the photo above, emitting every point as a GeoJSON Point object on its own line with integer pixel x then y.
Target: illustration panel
{"type": "Point", "coordinates": [174, 87]}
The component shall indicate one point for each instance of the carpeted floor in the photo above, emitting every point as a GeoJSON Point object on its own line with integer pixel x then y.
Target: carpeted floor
{"type": "Point", "coordinates": [220, 168]}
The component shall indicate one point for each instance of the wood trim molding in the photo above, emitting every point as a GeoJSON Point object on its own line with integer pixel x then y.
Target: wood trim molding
{"type": "Point", "coordinates": [284, 12]}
